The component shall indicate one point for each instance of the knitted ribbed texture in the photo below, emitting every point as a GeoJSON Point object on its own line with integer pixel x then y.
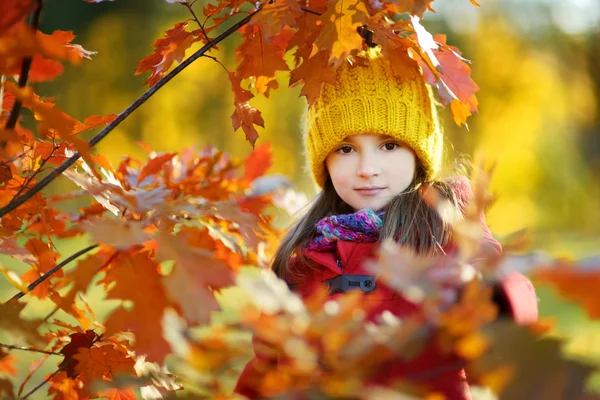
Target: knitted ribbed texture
{"type": "Point", "coordinates": [372, 100]}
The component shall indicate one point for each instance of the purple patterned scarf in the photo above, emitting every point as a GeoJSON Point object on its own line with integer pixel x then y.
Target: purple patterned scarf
{"type": "Point", "coordinates": [361, 226]}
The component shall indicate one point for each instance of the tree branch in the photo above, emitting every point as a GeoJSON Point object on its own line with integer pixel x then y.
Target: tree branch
{"type": "Point", "coordinates": [52, 271]}
{"type": "Point", "coordinates": [35, 389]}
{"type": "Point", "coordinates": [36, 172]}
{"type": "Point", "coordinates": [310, 11]}
{"type": "Point", "coordinates": [191, 10]}
{"type": "Point", "coordinates": [10, 346]}
{"type": "Point", "coordinates": [34, 21]}
{"type": "Point", "coordinates": [16, 202]}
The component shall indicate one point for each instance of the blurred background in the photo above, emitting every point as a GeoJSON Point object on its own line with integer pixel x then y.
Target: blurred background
{"type": "Point", "coordinates": [537, 64]}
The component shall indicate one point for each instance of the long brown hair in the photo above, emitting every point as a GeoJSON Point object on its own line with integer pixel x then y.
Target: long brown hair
{"type": "Point", "coordinates": [409, 220]}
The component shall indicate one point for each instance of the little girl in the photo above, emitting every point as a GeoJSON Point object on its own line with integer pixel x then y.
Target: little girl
{"type": "Point", "coordinates": [372, 142]}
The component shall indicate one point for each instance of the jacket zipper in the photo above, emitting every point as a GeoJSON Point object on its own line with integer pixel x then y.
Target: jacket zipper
{"type": "Point", "coordinates": [338, 261]}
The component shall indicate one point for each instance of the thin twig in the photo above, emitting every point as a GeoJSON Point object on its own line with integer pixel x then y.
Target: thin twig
{"type": "Point", "coordinates": [52, 271]}
{"type": "Point", "coordinates": [34, 22]}
{"type": "Point", "coordinates": [36, 172]}
{"type": "Point", "coordinates": [16, 202]}
{"type": "Point", "coordinates": [50, 314]}
{"type": "Point", "coordinates": [10, 346]}
{"type": "Point", "coordinates": [189, 7]}
{"type": "Point", "coordinates": [310, 11]}
{"type": "Point", "coordinates": [100, 268]}
{"type": "Point", "coordinates": [35, 389]}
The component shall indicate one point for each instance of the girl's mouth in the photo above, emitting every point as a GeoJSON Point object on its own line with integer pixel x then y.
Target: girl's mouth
{"type": "Point", "coordinates": [371, 191]}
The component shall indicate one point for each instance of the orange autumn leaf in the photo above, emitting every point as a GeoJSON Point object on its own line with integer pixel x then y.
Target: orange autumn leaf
{"type": "Point", "coordinates": [13, 12]}
{"type": "Point", "coordinates": [134, 278]}
{"type": "Point", "coordinates": [167, 50]}
{"type": "Point", "coordinates": [575, 284]}
{"type": "Point", "coordinates": [125, 393]}
{"type": "Point", "coordinates": [414, 7]}
{"type": "Point", "coordinates": [7, 363]}
{"type": "Point", "coordinates": [259, 58]}
{"type": "Point", "coordinates": [313, 72]}
{"type": "Point", "coordinates": [244, 116]}
{"type": "Point", "coordinates": [155, 165]}
{"type": "Point", "coordinates": [64, 388]}
{"type": "Point", "coordinates": [195, 274]}
{"type": "Point", "coordinates": [78, 341]}
{"type": "Point", "coordinates": [258, 162]}
{"type": "Point", "coordinates": [275, 16]}
{"type": "Point", "coordinates": [339, 36]}
{"type": "Point", "coordinates": [102, 363]}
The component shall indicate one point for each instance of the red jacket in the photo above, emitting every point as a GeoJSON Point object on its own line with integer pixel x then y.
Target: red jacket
{"type": "Point", "coordinates": [514, 295]}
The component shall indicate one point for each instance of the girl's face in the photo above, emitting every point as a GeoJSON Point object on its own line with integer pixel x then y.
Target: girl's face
{"type": "Point", "coordinates": [368, 170]}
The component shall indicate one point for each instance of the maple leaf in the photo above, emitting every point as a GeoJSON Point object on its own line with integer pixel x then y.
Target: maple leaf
{"type": "Point", "coordinates": [134, 278]}
{"type": "Point", "coordinates": [63, 388]}
{"type": "Point", "coordinates": [309, 27]}
{"type": "Point", "coordinates": [275, 16]}
{"type": "Point", "coordinates": [195, 270]}
{"type": "Point", "coordinates": [102, 363]}
{"type": "Point", "coordinates": [7, 363]}
{"type": "Point", "coordinates": [538, 367]}
{"type": "Point", "coordinates": [167, 50]}
{"type": "Point", "coordinates": [394, 48]}
{"type": "Point", "coordinates": [6, 388]}
{"type": "Point", "coordinates": [258, 162]}
{"type": "Point", "coordinates": [313, 73]}
{"type": "Point", "coordinates": [413, 7]}
{"type": "Point", "coordinates": [78, 341]}
{"type": "Point", "coordinates": [125, 393]}
{"type": "Point", "coordinates": [118, 233]}
{"type": "Point", "coordinates": [12, 322]}
{"type": "Point", "coordinates": [244, 116]}
{"type": "Point", "coordinates": [578, 284]}
{"type": "Point", "coordinates": [163, 382]}
{"type": "Point", "coordinates": [456, 73]}
{"type": "Point", "coordinates": [339, 36]}
{"type": "Point", "coordinates": [258, 56]}
{"type": "Point", "coordinates": [155, 165]}
{"type": "Point", "coordinates": [44, 69]}
{"type": "Point", "coordinates": [13, 12]}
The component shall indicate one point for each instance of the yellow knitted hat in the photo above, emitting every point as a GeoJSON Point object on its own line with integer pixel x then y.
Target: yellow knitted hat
{"type": "Point", "coordinates": [370, 99]}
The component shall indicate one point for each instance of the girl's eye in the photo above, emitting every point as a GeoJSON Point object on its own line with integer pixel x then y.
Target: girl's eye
{"type": "Point", "coordinates": [344, 149]}
{"type": "Point", "coordinates": [391, 146]}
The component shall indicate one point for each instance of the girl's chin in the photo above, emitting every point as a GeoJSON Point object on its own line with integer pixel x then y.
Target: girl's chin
{"type": "Point", "coordinates": [373, 205]}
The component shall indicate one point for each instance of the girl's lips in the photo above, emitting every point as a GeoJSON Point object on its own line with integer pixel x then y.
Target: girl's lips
{"type": "Point", "coordinates": [370, 191]}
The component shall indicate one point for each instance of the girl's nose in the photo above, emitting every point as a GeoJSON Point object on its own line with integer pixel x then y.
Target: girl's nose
{"type": "Point", "coordinates": [368, 166]}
